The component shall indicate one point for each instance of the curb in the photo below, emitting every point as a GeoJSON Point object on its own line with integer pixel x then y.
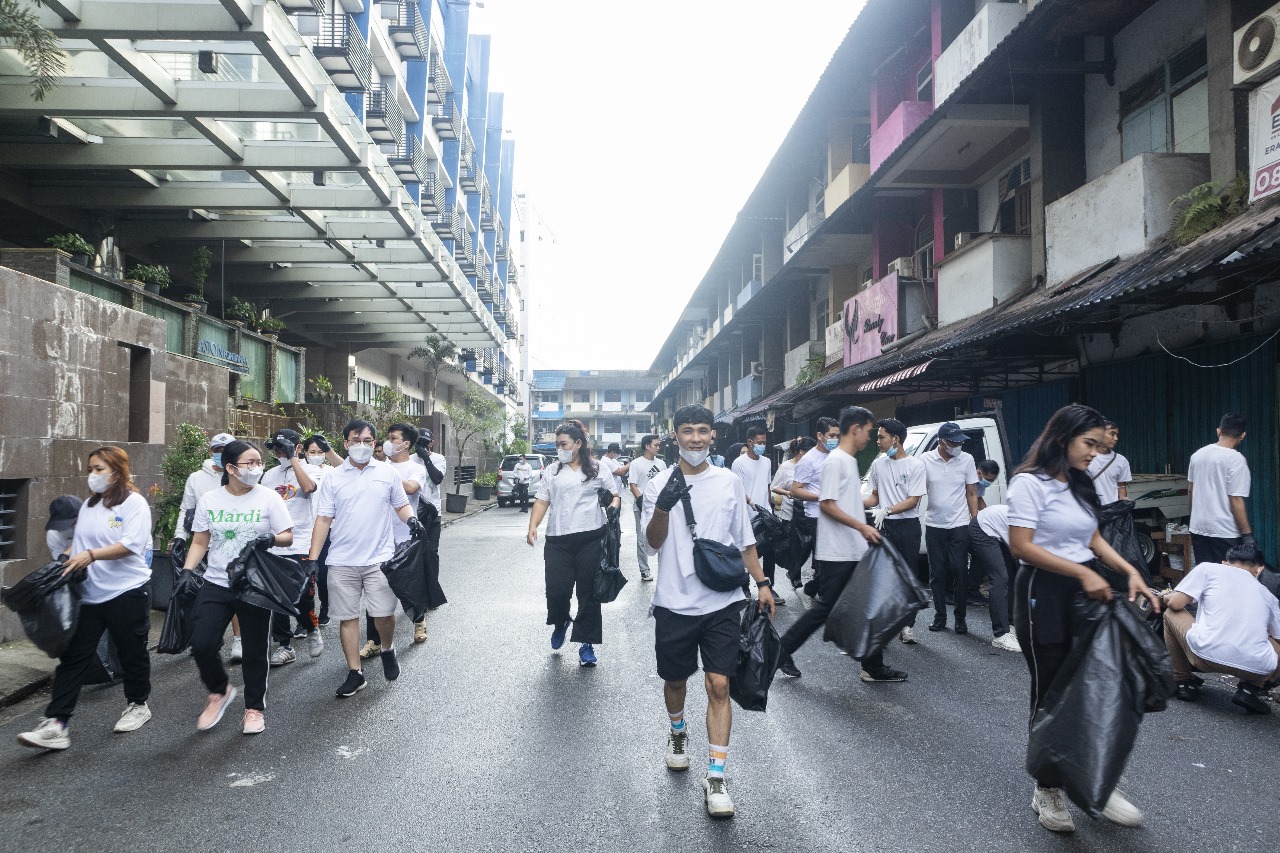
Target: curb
{"type": "Point", "coordinates": [464, 517]}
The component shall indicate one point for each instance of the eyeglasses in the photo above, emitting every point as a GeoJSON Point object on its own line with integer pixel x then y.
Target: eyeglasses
{"type": "Point", "coordinates": [367, 442]}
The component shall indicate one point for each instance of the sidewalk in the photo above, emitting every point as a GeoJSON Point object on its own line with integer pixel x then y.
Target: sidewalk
{"type": "Point", "coordinates": [24, 669]}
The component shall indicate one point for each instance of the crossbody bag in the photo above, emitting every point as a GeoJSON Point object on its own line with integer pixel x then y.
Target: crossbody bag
{"type": "Point", "coordinates": [718, 566]}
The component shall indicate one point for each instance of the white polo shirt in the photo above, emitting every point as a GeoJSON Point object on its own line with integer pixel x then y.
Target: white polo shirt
{"type": "Point", "coordinates": [357, 501]}
{"type": "Point", "coordinates": [612, 465]}
{"type": "Point", "coordinates": [575, 503]}
{"type": "Point", "coordinates": [895, 481]}
{"type": "Point", "coordinates": [410, 469]}
{"type": "Point", "coordinates": [431, 491]}
{"type": "Point", "coordinates": [809, 476]}
{"type": "Point", "coordinates": [283, 480]}
{"type": "Point", "coordinates": [841, 483]}
{"type": "Point", "coordinates": [1235, 616]}
{"type": "Point", "coordinates": [946, 482]}
{"type": "Point", "coordinates": [994, 521]}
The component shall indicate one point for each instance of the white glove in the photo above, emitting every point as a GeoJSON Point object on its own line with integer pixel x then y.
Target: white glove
{"type": "Point", "coordinates": [878, 515]}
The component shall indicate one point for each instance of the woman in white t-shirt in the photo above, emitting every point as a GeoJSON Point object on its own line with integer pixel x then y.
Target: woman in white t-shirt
{"type": "Point", "coordinates": [112, 544]}
{"type": "Point", "coordinates": [240, 514]}
{"type": "Point", "coordinates": [570, 494]}
{"type": "Point", "coordinates": [1053, 532]}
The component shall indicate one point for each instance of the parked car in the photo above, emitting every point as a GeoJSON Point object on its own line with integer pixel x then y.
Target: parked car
{"type": "Point", "coordinates": [507, 480]}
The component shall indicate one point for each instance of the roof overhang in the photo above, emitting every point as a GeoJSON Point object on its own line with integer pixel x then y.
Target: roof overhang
{"type": "Point", "coordinates": [962, 148]}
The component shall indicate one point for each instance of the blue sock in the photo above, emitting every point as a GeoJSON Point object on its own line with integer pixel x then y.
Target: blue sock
{"type": "Point", "coordinates": [677, 721]}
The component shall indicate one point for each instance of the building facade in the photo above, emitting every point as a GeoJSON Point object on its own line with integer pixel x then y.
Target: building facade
{"type": "Point", "coordinates": [615, 405]}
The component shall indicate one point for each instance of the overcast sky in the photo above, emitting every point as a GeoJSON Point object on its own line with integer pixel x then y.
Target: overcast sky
{"type": "Point", "coordinates": [641, 128]}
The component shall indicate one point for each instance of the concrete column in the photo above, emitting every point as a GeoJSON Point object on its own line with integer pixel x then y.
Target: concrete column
{"type": "Point", "coordinates": [1057, 146]}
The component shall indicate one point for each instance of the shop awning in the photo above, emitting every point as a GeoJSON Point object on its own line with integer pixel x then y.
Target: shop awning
{"type": "Point", "coordinates": [894, 378]}
{"type": "Point", "coordinates": [549, 380]}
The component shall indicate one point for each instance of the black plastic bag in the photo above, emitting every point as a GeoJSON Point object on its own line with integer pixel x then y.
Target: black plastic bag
{"type": "Point", "coordinates": [1116, 526]}
{"type": "Point", "coordinates": [881, 599]}
{"type": "Point", "coordinates": [407, 577]}
{"type": "Point", "coordinates": [1117, 670]}
{"type": "Point", "coordinates": [799, 542]}
{"type": "Point", "coordinates": [175, 633]}
{"type": "Point", "coordinates": [48, 603]}
{"type": "Point", "coordinates": [267, 580]}
{"type": "Point", "coordinates": [759, 649]}
{"type": "Point", "coordinates": [769, 530]}
{"type": "Point", "coordinates": [609, 577]}
{"type": "Point", "coordinates": [429, 517]}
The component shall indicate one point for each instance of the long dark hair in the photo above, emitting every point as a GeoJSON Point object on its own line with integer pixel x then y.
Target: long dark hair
{"type": "Point", "coordinates": [231, 455]}
{"type": "Point", "coordinates": [1048, 456]}
{"type": "Point", "coordinates": [578, 432]}
{"type": "Point", "coordinates": [121, 482]}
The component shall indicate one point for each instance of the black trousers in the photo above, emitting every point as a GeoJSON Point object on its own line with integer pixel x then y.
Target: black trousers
{"type": "Point", "coordinates": [904, 534]}
{"type": "Point", "coordinates": [948, 560]}
{"type": "Point", "coordinates": [1211, 549]}
{"type": "Point", "coordinates": [573, 560]}
{"type": "Point", "coordinates": [991, 558]}
{"type": "Point", "coordinates": [306, 603]}
{"type": "Point", "coordinates": [322, 580]}
{"type": "Point", "coordinates": [211, 614]}
{"type": "Point", "coordinates": [832, 578]}
{"type": "Point", "coordinates": [127, 618]}
{"type": "Point", "coordinates": [520, 492]}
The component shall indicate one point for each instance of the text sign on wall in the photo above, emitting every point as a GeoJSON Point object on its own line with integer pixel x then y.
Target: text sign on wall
{"type": "Point", "coordinates": [1264, 140]}
{"type": "Point", "coordinates": [871, 320]}
{"type": "Point", "coordinates": [219, 353]}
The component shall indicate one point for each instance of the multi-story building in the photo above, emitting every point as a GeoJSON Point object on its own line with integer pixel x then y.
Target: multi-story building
{"type": "Point", "coordinates": [613, 404]}
{"type": "Point", "coordinates": [977, 207]}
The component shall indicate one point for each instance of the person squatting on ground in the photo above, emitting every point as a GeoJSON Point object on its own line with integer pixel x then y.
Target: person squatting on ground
{"type": "Point", "coordinates": [690, 619]}
{"type": "Point", "coordinates": [353, 505]}
{"type": "Point", "coordinates": [989, 548]}
{"type": "Point", "coordinates": [570, 494]}
{"type": "Point", "coordinates": [897, 485]}
{"type": "Point", "coordinates": [522, 472]}
{"type": "Point", "coordinates": [1053, 532]}
{"type": "Point", "coordinates": [643, 469]}
{"type": "Point", "coordinates": [755, 470]}
{"type": "Point", "coordinates": [951, 478]}
{"type": "Point", "coordinates": [1218, 482]}
{"type": "Point", "coordinates": [1235, 630]}
{"type": "Point", "coordinates": [240, 514]}
{"type": "Point", "coordinates": [111, 544]}
{"type": "Point", "coordinates": [805, 486]}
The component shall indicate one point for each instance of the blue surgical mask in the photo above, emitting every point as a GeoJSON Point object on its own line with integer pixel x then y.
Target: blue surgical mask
{"type": "Point", "coordinates": [891, 452]}
{"type": "Point", "coordinates": [758, 449]}
{"type": "Point", "coordinates": [982, 486]}
{"type": "Point", "coordinates": [832, 443]}
{"type": "Point", "coordinates": [217, 459]}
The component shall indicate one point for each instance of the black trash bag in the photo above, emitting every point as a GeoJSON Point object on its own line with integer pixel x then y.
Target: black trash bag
{"type": "Point", "coordinates": [406, 573]}
{"type": "Point", "coordinates": [769, 530]}
{"type": "Point", "coordinates": [799, 541]}
{"type": "Point", "coordinates": [609, 577]}
{"type": "Point", "coordinates": [1116, 526]}
{"type": "Point", "coordinates": [48, 603]}
{"type": "Point", "coordinates": [759, 649]}
{"type": "Point", "coordinates": [429, 518]}
{"type": "Point", "coordinates": [175, 633]}
{"type": "Point", "coordinates": [1117, 670]}
{"type": "Point", "coordinates": [881, 599]}
{"type": "Point", "coordinates": [267, 580]}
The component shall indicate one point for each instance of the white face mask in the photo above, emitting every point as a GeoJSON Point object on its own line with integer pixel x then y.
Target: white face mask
{"type": "Point", "coordinates": [98, 482]}
{"type": "Point", "coordinates": [953, 452]}
{"type": "Point", "coordinates": [695, 457]}
{"type": "Point", "coordinates": [360, 453]}
{"type": "Point", "coordinates": [315, 460]}
{"type": "Point", "coordinates": [248, 476]}
{"type": "Point", "coordinates": [565, 456]}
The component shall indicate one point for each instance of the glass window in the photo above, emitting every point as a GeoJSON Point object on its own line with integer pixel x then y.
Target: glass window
{"type": "Point", "coordinates": [612, 425]}
{"type": "Point", "coordinates": [582, 396]}
{"type": "Point", "coordinates": [644, 396]}
{"type": "Point", "coordinates": [613, 396]}
{"type": "Point", "coordinates": [254, 383]}
{"type": "Point", "coordinates": [286, 376]}
{"type": "Point", "coordinates": [1168, 110]}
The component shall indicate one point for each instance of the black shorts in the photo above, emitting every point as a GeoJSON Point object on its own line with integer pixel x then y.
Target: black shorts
{"type": "Point", "coordinates": [679, 639]}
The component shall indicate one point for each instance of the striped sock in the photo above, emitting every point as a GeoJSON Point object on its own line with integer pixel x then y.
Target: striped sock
{"type": "Point", "coordinates": [677, 721]}
{"type": "Point", "coordinates": [715, 769]}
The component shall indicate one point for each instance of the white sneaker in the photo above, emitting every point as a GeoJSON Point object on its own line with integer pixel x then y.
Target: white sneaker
{"type": "Point", "coordinates": [908, 636]}
{"type": "Point", "coordinates": [1006, 642]}
{"type": "Point", "coordinates": [133, 717]}
{"type": "Point", "coordinates": [677, 750]}
{"type": "Point", "coordinates": [315, 643]}
{"type": "Point", "coordinates": [1120, 811]}
{"type": "Point", "coordinates": [283, 655]}
{"type": "Point", "coordinates": [719, 803]}
{"type": "Point", "coordinates": [50, 734]}
{"type": "Point", "coordinates": [237, 650]}
{"type": "Point", "coordinates": [1051, 805]}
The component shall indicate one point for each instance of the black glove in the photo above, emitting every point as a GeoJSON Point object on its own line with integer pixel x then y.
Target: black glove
{"type": "Point", "coordinates": [321, 443]}
{"type": "Point", "coordinates": [672, 493]}
{"type": "Point", "coordinates": [264, 542]}
{"type": "Point", "coordinates": [311, 567]}
{"type": "Point", "coordinates": [604, 497]}
{"type": "Point", "coordinates": [611, 514]}
{"type": "Point", "coordinates": [285, 448]}
{"type": "Point", "coordinates": [177, 545]}
{"type": "Point", "coordinates": [1248, 539]}
{"type": "Point", "coordinates": [416, 530]}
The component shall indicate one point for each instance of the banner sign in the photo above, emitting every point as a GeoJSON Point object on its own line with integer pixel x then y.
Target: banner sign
{"type": "Point", "coordinates": [871, 320]}
{"type": "Point", "coordinates": [217, 352]}
{"type": "Point", "coordinates": [1264, 140]}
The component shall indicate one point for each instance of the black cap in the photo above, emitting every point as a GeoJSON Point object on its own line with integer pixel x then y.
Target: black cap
{"type": "Point", "coordinates": [289, 435]}
{"type": "Point", "coordinates": [425, 433]}
{"type": "Point", "coordinates": [62, 513]}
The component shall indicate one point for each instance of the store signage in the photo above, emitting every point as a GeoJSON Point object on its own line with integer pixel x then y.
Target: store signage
{"type": "Point", "coordinates": [1264, 140]}
{"type": "Point", "coordinates": [217, 352]}
{"type": "Point", "coordinates": [871, 321]}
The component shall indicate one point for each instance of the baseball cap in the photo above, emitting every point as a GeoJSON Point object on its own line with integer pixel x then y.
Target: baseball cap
{"type": "Point", "coordinates": [289, 435]}
{"type": "Point", "coordinates": [951, 431]}
{"type": "Point", "coordinates": [614, 448]}
{"type": "Point", "coordinates": [222, 439]}
{"type": "Point", "coordinates": [425, 433]}
{"type": "Point", "coordinates": [63, 512]}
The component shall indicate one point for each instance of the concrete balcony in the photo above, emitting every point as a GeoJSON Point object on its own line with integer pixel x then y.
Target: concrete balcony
{"type": "Point", "coordinates": [905, 118]}
{"type": "Point", "coordinates": [799, 233]}
{"type": "Point", "coordinates": [984, 272]}
{"type": "Point", "coordinates": [744, 295]}
{"type": "Point", "coordinates": [611, 406]}
{"type": "Point", "coordinates": [988, 28]}
{"type": "Point", "coordinates": [835, 342]}
{"type": "Point", "coordinates": [1120, 214]}
{"type": "Point", "coordinates": [749, 389]}
{"type": "Point", "coordinates": [845, 184]}
{"type": "Point", "coordinates": [795, 360]}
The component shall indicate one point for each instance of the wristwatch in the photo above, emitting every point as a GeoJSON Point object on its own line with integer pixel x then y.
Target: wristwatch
{"type": "Point", "coordinates": [763, 583]}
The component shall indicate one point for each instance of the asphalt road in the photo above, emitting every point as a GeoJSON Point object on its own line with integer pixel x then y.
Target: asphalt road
{"type": "Point", "coordinates": [490, 741]}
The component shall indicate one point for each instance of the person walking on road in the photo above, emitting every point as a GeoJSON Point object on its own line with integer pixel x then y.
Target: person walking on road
{"type": "Point", "coordinates": [352, 512]}
{"type": "Point", "coordinates": [112, 545]}
{"type": "Point", "coordinates": [756, 472]}
{"type": "Point", "coordinates": [989, 546]}
{"type": "Point", "coordinates": [570, 492]}
{"type": "Point", "coordinates": [241, 514]}
{"type": "Point", "coordinates": [1109, 470]}
{"type": "Point", "coordinates": [1218, 483]}
{"type": "Point", "coordinates": [897, 484]}
{"type": "Point", "coordinates": [523, 474]}
{"type": "Point", "coordinates": [805, 486]}
{"type": "Point", "coordinates": [951, 479]}
{"type": "Point", "coordinates": [843, 536]}
{"type": "Point", "coordinates": [1053, 532]}
{"type": "Point", "coordinates": [642, 470]}
{"type": "Point", "coordinates": [690, 619]}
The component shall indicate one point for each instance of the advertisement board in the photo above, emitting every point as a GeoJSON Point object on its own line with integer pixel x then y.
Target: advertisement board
{"type": "Point", "coordinates": [871, 320]}
{"type": "Point", "coordinates": [1264, 140]}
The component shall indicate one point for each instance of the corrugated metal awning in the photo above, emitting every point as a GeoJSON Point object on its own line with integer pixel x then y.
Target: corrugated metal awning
{"type": "Point", "coordinates": [895, 378]}
{"type": "Point", "coordinates": [549, 380]}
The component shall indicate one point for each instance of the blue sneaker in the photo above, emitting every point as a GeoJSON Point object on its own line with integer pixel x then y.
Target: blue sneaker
{"type": "Point", "coordinates": [587, 655]}
{"type": "Point", "coordinates": [557, 636]}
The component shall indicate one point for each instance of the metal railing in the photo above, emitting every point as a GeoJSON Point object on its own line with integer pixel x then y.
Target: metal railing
{"type": "Point", "coordinates": [409, 32]}
{"type": "Point", "coordinates": [343, 51]}
{"type": "Point", "coordinates": [384, 119]}
{"type": "Point", "coordinates": [442, 221]}
{"type": "Point", "coordinates": [409, 161]}
{"type": "Point", "coordinates": [446, 120]}
{"type": "Point", "coordinates": [304, 7]}
{"type": "Point", "coordinates": [441, 85]}
{"type": "Point", "coordinates": [469, 171]}
{"type": "Point", "coordinates": [484, 282]}
{"type": "Point", "coordinates": [432, 193]}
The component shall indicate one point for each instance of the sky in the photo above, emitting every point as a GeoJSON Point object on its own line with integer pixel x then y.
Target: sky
{"type": "Point", "coordinates": [640, 129]}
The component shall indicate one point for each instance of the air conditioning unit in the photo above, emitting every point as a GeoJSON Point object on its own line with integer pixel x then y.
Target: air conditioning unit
{"type": "Point", "coordinates": [905, 267]}
{"type": "Point", "coordinates": [1257, 48]}
{"type": "Point", "coordinates": [757, 368]}
{"type": "Point", "coordinates": [966, 237]}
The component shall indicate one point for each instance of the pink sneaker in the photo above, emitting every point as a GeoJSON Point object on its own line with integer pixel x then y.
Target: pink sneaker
{"type": "Point", "coordinates": [254, 724]}
{"type": "Point", "coordinates": [214, 709]}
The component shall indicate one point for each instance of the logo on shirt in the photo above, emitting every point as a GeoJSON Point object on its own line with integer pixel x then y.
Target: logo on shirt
{"type": "Point", "coordinates": [222, 516]}
{"type": "Point", "coordinates": [286, 490]}
{"type": "Point", "coordinates": [115, 522]}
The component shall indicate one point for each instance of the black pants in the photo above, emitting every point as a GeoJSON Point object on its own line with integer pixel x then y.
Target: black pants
{"type": "Point", "coordinates": [306, 615]}
{"type": "Point", "coordinates": [520, 492]}
{"type": "Point", "coordinates": [127, 618]}
{"type": "Point", "coordinates": [948, 560]}
{"type": "Point", "coordinates": [1211, 549]}
{"type": "Point", "coordinates": [991, 558]}
{"type": "Point", "coordinates": [832, 578]}
{"type": "Point", "coordinates": [804, 533]}
{"type": "Point", "coordinates": [211, 614]}
{"type": "Point", "coordinates": [574, 559]}
{"type": "Point", "coordinates": [322, 581]}
{"type": "Point", "coordinates": [904, 534]}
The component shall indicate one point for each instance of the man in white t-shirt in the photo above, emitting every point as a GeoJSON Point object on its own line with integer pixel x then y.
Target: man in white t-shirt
{"type": "Point", "coordinates": [843, 535]}
{"type": "Point", "coordinates": [951, 479]}
{"type": "Point", "coordinates": [642, 469]}
{"type": "Point", "coordinates": [1218, 482]}
{"type": "Point", "coordinates": [756, 472]}
{"type": "Point", "coordinates": [522, 473]}
{"type": "Point", "coordinates": [1236, 628]}
{"type": "Point", "coordinates": [615, 467]}
{"type": "Point", "coordinates": [805, 487]}
{"type": "Point", "coordinates": [295, 482]}
{"type": "Point", "coordinates": [1110, 471]}
{"type": "Point", "coordinates": [691, 619]}
{"type": "Point", "coordinates": [897, 485]}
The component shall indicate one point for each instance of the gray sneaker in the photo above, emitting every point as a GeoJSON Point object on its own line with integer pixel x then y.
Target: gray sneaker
{"type": "Point", "coordinates": [677, 752]}
{"type": "Point", "coordinates": [719, 803]}
{"type": "Point", "coordinates": [315, 643]}
{"type": "Point", "coordinates": [50, 734]}
{"type": "Point", "coordinates": [133, 717]}
{"type": "Point", "coordinates": [283, 655]}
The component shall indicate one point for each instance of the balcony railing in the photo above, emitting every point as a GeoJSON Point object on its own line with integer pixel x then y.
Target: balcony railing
{"type": "Point", "coordinates": [441, 85]}
{"type": "Point", "coordinates": [446, 120]}
{"type": "Point", "coordinates": [511, 327]}
{"type": "Point", "coordinates": [484, 283]}
{"type": "Point", "coordinates": [442, 221]}
{"type": "Point", "coordinates": [468, 172]}
{"type": "Point", "coordinates": [500, 306]}
{"type": "Point", "coordinates": [410, 161]}
{"type": "Point", "coordinates": [304, 7]}
{"type": "Point", "coordinates": [409, 32]}
{"type": "Point", "coordinates": [343, 52]}
{"type": "Point", "coordinates": [486, 208]}
{"type": "Point", "coordinates": [383, 117]}
{"type": "Point", "coordinates": [432, 193]}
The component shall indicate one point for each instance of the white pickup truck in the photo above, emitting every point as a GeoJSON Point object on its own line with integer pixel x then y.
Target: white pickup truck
{"type": "Point", "coordinates": [1158, 498]}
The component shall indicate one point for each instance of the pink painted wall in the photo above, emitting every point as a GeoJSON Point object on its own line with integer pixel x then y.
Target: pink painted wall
{"type": "Point", "coordinates": [905, 118]}
{"type": "Point", "coordinates": [871, 320]}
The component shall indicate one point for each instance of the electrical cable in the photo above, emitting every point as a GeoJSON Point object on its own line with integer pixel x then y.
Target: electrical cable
{"type": "Point", "coordinates": [1270, 338]}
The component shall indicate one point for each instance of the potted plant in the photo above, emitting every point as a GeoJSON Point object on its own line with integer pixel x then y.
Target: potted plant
{"type": "Point", "coordinates": [75, 246]}
{"type": "Point", "coordinates": [201, 263]}
{"type": "Point", "coordinates": [154, 276]}
{"type": "Point", "coordinates": [269, 326]}
{"type": "Point", "coordinates": [476, 415]}
{"type": "Point", "coordinates": [242, 313]}
{"type": "Point", "coordinates": [482, 488]}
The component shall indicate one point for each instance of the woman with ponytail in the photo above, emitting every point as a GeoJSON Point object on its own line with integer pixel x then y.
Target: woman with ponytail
{"type": "Point", "coordinates": [573, 493]}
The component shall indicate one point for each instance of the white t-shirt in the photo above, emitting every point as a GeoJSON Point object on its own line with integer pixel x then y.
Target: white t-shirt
{"type": "Point", "coordinates": [1234, 617]}
{"type": "Point", "coordinates": [895, 481]}
{"type": "Point", "coordinates": [357, 500]}
{"type": "Point", "coordinates": [58, 542]}
{"type": "Point", "coordinates": [642, 471]}
{"type": "Point", "coordinates": [611, 465]}
{"type": "Point", "coordinates": [523, 472]}
{"type": "Point", "coordinates": [284, 482]}
{"type": "Point", "coordinates": [809, 475]}
{"type": "Point", "coordinates": [1063, 526]}
{"type": "Point", "coordinates": [782, 480]}
{"type": "Point", "coordinates": [1217, 473]}
{"type": "Point", "coordinates": [1107, 482]}
{"type": "Point", "coordinates": [755, 477]}
{"type": "Point", "coordinates": [994, 521]}
{"type": "Point", "coordinates": [842, 483]}
{"type": "Point", "coordinates": [720, 509]}
{"type": "Point", "coordinates": [410, 469]}
{"type": "Point", "coordinates": [234, 522]}
{"type": "Point", "coordinates": [98, 527]}
{"type": "Point", "coordinates": [431, 491]}
{"type": "Point", "coordinates": [946, 483]}
{"type": "Point", "coordinates": [575, 502]}
{"type": "Point", "coordinates": [205, 479]}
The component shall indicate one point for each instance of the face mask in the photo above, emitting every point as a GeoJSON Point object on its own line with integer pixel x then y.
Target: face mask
{"type": "Point", "coordinates": [982, 486]}
{"type": "Point", "coordinates": [694, 457]}
{"type": "Point", "coordinates": [217, 459]}
{"type": "Point", "coordinates": [248, 476]}
{"type": "Point", "coordinates": [953, 452]}
{"type": "Point", "coordinates": [389, 448]}
{"type": "Point", "coordinates": [565, 456]}
{"type": "Point", "coordinates": [891, 452]}
{"type": "Point", "coordinates": [758, 449]}
{"type": "Point", "coordinates": [832, 444]}
{"type": "Point", "coordinates": [360, 453]}
{"type": "Point", "coordinates": [315, 460]}
{"type": "Point", "coordinates": [98, 482]}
